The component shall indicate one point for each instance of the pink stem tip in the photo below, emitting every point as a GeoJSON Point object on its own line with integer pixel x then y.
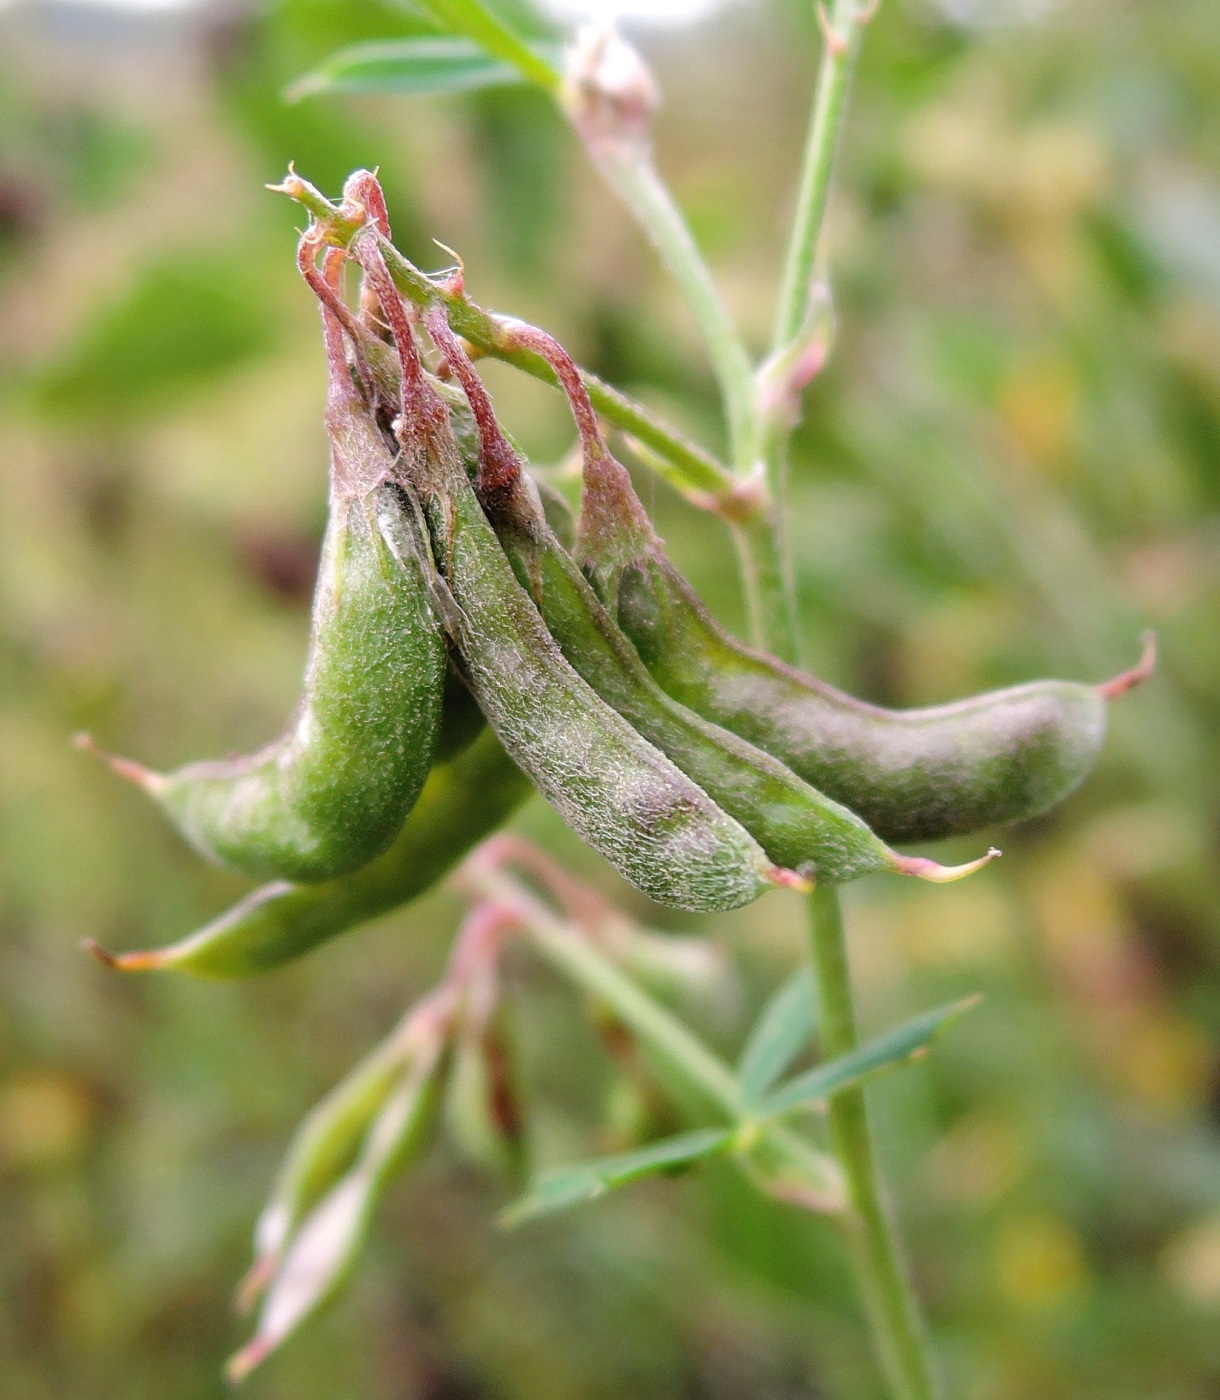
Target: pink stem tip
{"type": "Point", "coordinates": [125, 767]}
{"type": "Point", "coordinates": [124, 962]}
{"type": "Point", "coordinates": [925, 869]}
{"type": "Point", "coordinates": [241, 1363]}
{"type": "Point", "coordinates": [790, 879]}
{"type": "Point", "coordinates": [1137, 675]}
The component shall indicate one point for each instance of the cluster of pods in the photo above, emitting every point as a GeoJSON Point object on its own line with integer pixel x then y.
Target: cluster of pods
{"type": "Point", "coordinates": [469, 643]}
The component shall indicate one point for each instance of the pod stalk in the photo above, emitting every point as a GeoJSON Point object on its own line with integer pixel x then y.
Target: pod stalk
{"type": "Point", "coordinates": [613, 524]}
{"type": "Point", "coordinates": [141, 960]}
{"type": "Point", "coordinates": [499, 463]}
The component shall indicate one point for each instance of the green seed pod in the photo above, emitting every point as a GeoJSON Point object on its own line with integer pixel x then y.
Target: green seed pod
{"type": "Point", "coordinates": [659, 829]}
{"type": "Point", "coordinates": [321, 1255]}
{"type": "Point", "coordinates": [333, 791]}
{"type": "Point", "coordinates": [463, 801]}
{"type": "Point", "coordinates": [914, 775]}
{"type": "Point", "coordinates": [794, 823]}
{"type": "Point", "coordinates": [631, 804]}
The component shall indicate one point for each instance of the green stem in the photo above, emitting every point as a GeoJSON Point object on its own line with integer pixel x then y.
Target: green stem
{"type": "Point", "coordinates": [844, 32]}
{"type": "Point", "coordinates": [573, 955]}
{"type": "Point", "coordinates": [628, 168]}
{"type": "Point", "coordinates": [768, 589]}
{"type": "Point", "coordinates": [892, 1309]}
{"type": "Point", "coordinates": [757, 532]}
{"type": "Point", "coordinates": [613, 127]}
{"type": "Point", "coordinates": [694, 471]}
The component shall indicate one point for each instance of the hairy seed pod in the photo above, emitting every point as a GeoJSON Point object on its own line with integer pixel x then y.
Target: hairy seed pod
{"type": "Point", "coordinates": [659, 829]}
{"type": "Point", "coordinates": [911, 775]}
{"type": "Point", "coordinates": [794, 823]}
{"type": "Point", "coordinates": [463, 801]}
{"type": "Point", "coordinates": [333, 791]}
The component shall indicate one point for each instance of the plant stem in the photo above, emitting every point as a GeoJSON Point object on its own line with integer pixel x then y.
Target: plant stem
{"type": "Point", "coordinates": [843, 31]}
{"type": "Point", "coordinates": [574, 956]}
{"type": "Point", "coordinates": [612, 119]}
{"type": "Point", "coordinates": [890, 1303]}
{"type": "Point", "coordinates": [892, 1309]}
{"type": "Point", "coordinates": [767, 580]}
{"type": "Point", "coordinates": [629, 170]}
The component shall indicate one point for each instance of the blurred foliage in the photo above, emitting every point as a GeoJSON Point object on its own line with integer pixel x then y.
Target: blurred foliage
{"type": "Point", "coordinates": [1010, 467]}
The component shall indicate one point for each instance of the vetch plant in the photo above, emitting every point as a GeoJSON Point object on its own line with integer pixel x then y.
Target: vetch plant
{"type": "Point", "coordinates": [467, 649]}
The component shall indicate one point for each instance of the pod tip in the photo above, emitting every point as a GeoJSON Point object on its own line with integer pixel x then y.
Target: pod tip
{"type": "Point", "coordinates": [790, 879]}
{"type": "Point", "coordinates": [125, 767]}
{"type": "Point", "coordinates": [925, 869]}
{"type": "Point", "coordinates": [92, 946]}
{"type": "Point", "coordinates": [123, 962]}
{"type": "Point", "coordinates": [1128, 680]}
{"type": "Point", "coordinates": [242, 1362]}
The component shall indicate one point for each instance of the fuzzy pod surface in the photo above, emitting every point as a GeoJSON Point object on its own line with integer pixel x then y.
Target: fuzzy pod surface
{"type": "Point", "coordinates": [333, 790]}
{"type": "Point", "coordinates": [659, 829]}
{"type": "Point", "coordinates": [798, 826]}
{"type": "Point", "coordinates": [794, 823]}
{"type": "Point", "coordinates": [463, 801]}
{"type": "Point", "coordinates": [913, 775]}
{"type": "Point", "coordinates": [623, 796]}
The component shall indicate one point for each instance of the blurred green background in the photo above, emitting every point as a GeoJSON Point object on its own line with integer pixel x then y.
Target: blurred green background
{"type": "Point", "coordinates": [1010, 468]}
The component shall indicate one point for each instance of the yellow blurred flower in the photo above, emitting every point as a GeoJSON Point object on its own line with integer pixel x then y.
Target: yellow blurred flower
{"type": "Point", "coordinates": [1039, 1261]}
{"type": "Point", "coordinates": [45, 1117]}
{"type": "Point", "coordinates": [1190, 1263]}
{"type": "Point", "coordinates": [977, 1161]}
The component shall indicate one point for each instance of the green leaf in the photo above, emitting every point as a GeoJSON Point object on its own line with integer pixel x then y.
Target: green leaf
{"type": "Point", "coordinates": [908, 1041]}
{"type": "Point", "coordinates": [781, 1032]}
{"type": "Point", "coordinates": [587, 1181]}
{"type": "Point", "coordinates": [184, 321]}
{"type": "Point", "coordinates": [476, 21]}
{"type": "Point", "coordinates": [407, 67]}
